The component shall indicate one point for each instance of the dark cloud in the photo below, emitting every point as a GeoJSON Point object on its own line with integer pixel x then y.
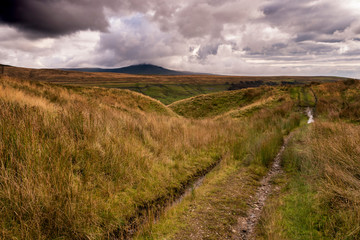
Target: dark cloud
{"type": "Point", "coordinates": [208, 49]}
{"type": "Point", "coordinates": [195, 21]}
{"type": "Point", "coordinates": [299, 51]}
{"type": "Point", "coordinates": [54, 18]}
{"type": "Point", "coordinates": [189, 34]}
{"type": "Point", "coordinates": [321, 38]}
{"type": "Point", "coordinates": [305, 37]}
{"type": "Point", "coordinates": [355, 52]}
{"type": "Point", "coordinates": [308, 18]}
{"type": "Point", "coordinates": [134, 40]}
{"type": "Point", "coordinates": [317, 48]}
{"type": "Point", "coordinates": [206, 18]}
{"type": "Point", "coordinates": [43, 18]}
{"type": "Point", "coordinates": [329, 40]}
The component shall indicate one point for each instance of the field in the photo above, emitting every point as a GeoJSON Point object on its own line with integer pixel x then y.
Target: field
{"type": "Point", "coordinates": [321, 183]}
{"type": "Point", "coordinates": [166, 89]}
{"type": "Point", "coordinates": [79, 161]}
{"type": "Point", "coordinates": [316, 197]}
{"type": "Point", "coordinates": [169, 93]}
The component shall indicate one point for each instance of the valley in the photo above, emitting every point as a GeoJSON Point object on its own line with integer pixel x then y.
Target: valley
{"type": "Point", "coordinates": [179, 120]}
{"type": "Point", "coordinates": [165, 88]}
{"type": "Point", "coordinates": [84, 158]}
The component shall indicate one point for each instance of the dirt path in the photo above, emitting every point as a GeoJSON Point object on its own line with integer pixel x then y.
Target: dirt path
{"type": "Point", "coordinates": [246, 225]}
{"type": "Point", "coordinates": [152, 213]}
{"type": "Point", "coordinates": [261, 102]}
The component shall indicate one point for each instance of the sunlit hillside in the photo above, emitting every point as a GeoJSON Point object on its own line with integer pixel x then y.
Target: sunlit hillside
{"type": "Point", "coordinates": [96, 163]}
{"type": "Point", "coordinates": [179, 120]}
{"type": "Point", "coordinates": [82, 162]}
{"type": "Point", "coordinates": [165, 88]}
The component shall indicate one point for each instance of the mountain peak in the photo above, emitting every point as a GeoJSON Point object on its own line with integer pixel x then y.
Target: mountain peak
{"type": "Point", "coordinates": [138, 69]}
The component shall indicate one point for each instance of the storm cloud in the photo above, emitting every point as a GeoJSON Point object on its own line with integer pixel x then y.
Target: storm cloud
{"type": "Point", "coordinates": [309, 19]}
{"type": "Point", "coordinates": [248, 37]}
{"type": "Point", "coordinates": [43, 18]}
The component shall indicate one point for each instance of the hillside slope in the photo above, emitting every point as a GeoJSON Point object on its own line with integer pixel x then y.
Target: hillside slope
{"type": "Point", "coordinates": [84, 162]}
{"type": "Point", "coordinates": [140, 69]}
{"type": "Point", "coordinates": [166, 88]}
{"type": "Point", "coordinates": [95, 163]}
{"type": "Point", "coordinates": [209, 105]}
{"type": "Point", "coordinates": [91, 163]}
{"type": "Point", "coordinates": [321, 182]}
{"type": "Point", "coordinates": [315, 196]}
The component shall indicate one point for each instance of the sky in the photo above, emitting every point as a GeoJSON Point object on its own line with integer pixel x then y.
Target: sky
{"type": "Point", "coordinates": [235, 37]}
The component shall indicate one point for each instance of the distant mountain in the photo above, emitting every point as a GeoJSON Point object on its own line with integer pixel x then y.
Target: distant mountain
{"type": "Point", "coordinates": [141, 69]}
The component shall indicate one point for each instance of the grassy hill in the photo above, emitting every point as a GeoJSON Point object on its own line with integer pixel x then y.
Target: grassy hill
{"type": "Point", "coordinates": [140, 69]}
{"type": "Point", "coordinates": [84, 162]}
{"type": "Point", "coordinates": [210, 105]}
{"type": "Point", "coordinates": [80, 162]}
{"type": "Point", "coordinates": [165, 88]}
{"type": "Point", "coordinates": [316, 197]}
{"type": "Point", "coordinates": [321, 183]}
{"type": "Point", "coordinates": [239, 103]}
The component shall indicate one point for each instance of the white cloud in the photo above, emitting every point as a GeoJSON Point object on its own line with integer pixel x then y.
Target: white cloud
{"type": "Point", "coordinates": [46, 52]}
{"type": "Point", "coordinates": [251, 37]}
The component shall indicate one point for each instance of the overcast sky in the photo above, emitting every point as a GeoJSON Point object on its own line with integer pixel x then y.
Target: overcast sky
{"type": "Point", "coordinates": [242, 37]}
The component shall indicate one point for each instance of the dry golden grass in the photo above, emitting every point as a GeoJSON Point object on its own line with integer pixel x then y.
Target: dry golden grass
{"type": "Point", "coordinates": [88, 78]}
{"type": "Point", "coordinates": [339, 100]}
{"type": "Point", "coordinates": [322, 198]}
{"type": "Point", "coordinates": [13, 95]}
{"type": "Point", "coordinates": [79, 162]}
{"type": "Point", "coordinates": [211, 210]}
{"type": "Point", "coordinates": [167, 89]}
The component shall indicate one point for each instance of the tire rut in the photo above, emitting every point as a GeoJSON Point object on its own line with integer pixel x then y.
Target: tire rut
{"type": "Point", "coordinates": [245, 228]}
{"type": "Point", "coordinates": [246, 225]}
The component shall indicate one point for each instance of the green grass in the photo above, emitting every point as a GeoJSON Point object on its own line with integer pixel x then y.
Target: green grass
{"type": "Point", "coordinates": [319, 192]}
{"type": "Point", "coordinates": [169, 93]}
{"type": "Point", "coordinates": [211, 105]}
{"type": "Point", "coordinates": [167, 89]}
{"type": "Point", "coordinates": [303, 216]}
{"type": "Point", "coordinates": [86, 162]}
{"type": "Point", "coordinates": [214, 208]}
{"type": "Point", "coordinates": [303, 95]}
{"type": "Point", "coordinates": [79, 162]}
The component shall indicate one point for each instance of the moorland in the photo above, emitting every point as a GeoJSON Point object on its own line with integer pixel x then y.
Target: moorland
{"type": "Point", "coordinates": [81, 157]}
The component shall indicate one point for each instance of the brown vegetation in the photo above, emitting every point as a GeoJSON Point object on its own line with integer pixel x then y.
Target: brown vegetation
{"type": "Point", "coordinates": [318, 196]}
{"type": "Point", "coordinates": [320, 199]}
{"type": "Point", "coordinates": [81, 162]}
{"type": "Point", "coordinates": [78, 162]}
{"type": "Point", "coordinates": [89, 78]}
